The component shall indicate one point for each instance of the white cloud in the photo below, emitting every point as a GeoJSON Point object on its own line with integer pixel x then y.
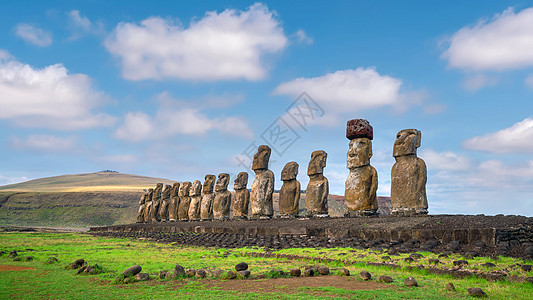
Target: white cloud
{"type": "Point", "coordinates": [445, 160]}
{"type": "Point", "coordinates": [44, 143]}
{"type": "Point", "coordinates": [80, 24]}
{"type": "Point", "coordinates": [476, 82]}
{"type": "Point", "coordinates": [517, 138]}
{"type": "Point", "coordinates": [220, 46]}
{"type": "Point", "coordinates": [49, 97]}
{"type": "Point", "coordinates": [5, 180]}
{"type": "Point", "coordinates": [346, 91]}
{"type": "Point", "coordinates": [34, 35]}
{"type": "Point", "coordinates": [302, 37]}
{"type": "Point", "coordinates": [529, 81]}
{"type": "Point", "coordinates": [503, 42]}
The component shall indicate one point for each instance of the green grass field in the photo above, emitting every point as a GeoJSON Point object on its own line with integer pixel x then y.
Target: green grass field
{"type": "Point", "coordinates": [53, 281]}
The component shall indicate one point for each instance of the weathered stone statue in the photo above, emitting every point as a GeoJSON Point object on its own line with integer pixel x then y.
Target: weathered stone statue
{"type": "Point", "coordinates": [362, 182]}
{"type": "Point", "coordinates": [408, 175]}
{"type": "Point", "coordinates": [289, 195]}
{"type": "Point", "coordinates": [263, 186]}
{"type": "Point", "coordinates": [148, 208]}
{"type": "Point", "coordinates": [174, 202]}
{"type": "Point", "coordinates": [156, 202]}
{"type": "Point", "coordinates": [196, 198]}
{"type": "Point", "coordinates": [142, 208]}
{"type": "Point", "coordinates": [206, 207]}
{"type": "Point", "coordinates": [222, 202]}
{"type": "Point", "coordinates": [316, 195]}
{"type": "Point", "coordinates": [165, 202]}
{"type": "Point", "coordinates": [185, 200]}
{"type": "Point", "coordinates": [241, 199]}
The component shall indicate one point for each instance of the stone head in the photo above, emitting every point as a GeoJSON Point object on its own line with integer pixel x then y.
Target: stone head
{"type": "Point", "coordinates": [150, 190]}
{"type": "Point", "coordinates": [241, 181]}
{"type": "Point", "coordinates": [159, 186]}
{"type": "Point", "coordinates": [359, 153]}
{"type": "Point", "coordinates": [176, 184]}
{"type": "Point", "coordinates": [290, 171]}
{"type": "Point", "coordinates": [317, 162]}
{"type": "Point", "coordinates": [167, 187]}
{"type": "Point", "coordinates": [222, 182]}
{"type": "Point", "coordinates": [407, 141]}
{"type": "Point", "coordinates": [209, 183]}
{"type": "Point", "coordinates": [184, 189]}
{"type": "Point", "coordinates": [196, 188]}
{"type": "Point", "coordinates": [261, 158]}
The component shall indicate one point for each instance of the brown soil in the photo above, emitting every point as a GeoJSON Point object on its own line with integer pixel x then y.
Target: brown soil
{"type": "Point", "coordinates": [14, 268]}
{"type": "Point", "coordinates": [292, 284]}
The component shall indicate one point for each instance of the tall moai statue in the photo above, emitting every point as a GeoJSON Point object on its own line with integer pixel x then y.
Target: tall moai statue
{"type": "Point", "coordinates": [362, 182]}
{"type": "Point", "coordinates": [206, 207]}
{"type": "Point", "coordinates": [196, 198]}
{"type": "Point", "coordinates": [316, 195]}
{"type": "Point", "coordinates": [263, 186]}
{"type": "Point", "coordinates": [241, 198]}
{"type": "Point", "coordinates": [408, 175]}
{"type": "Point", "coordinates": [289, 195]}
{"type": "Point", "coordinates": [148, 207]}
{"type": "Point", "coordinates": [174, 202]}
{"type": "Point", "coordinates": [222, 202]}
{"type": "Point", "coordinates": [165, 202]}
{"type": "Point", "coordinates": [142, 208]}
{"type": "Point", "coordinates": [156, 202]}
{"type": "Point", "coordinates": [185, 200]}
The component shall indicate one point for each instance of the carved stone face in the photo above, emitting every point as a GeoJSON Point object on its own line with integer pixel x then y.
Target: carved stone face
{"type": "Point", "coordinates": [196, 188]}
{"type": "Point", "coordinates": [184, 189]}
{"type": "Point", "coordinates": [407, 141]}
{"type": "Point", "coordinates": [290, 171]}
{"type": "Point", "coordinates": [359, 153]}
{"type": "Point", "coordinates": [150, 190]}
{"type": "Point", "coordinates": [176, 184]}
{"type": "Point", "coordinates": [317, 163]}
{"type": "Point", "coordinates": [261, 158]}
{"type": "Point", "coordinates": [222, 182]}
{"type": "Point", "coordinates": [159, 186]}
{"type": "Point", "coordinates": [209, 183]}
{"type": "Point", "coordinates": [241, 181]}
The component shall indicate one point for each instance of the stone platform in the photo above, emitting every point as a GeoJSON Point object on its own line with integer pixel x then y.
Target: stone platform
{"type": "Point", "coordinates": [465, 229]}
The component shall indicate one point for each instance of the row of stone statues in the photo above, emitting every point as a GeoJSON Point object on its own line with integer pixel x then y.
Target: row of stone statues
{"type": "Point", "coordinates": [192, 202]}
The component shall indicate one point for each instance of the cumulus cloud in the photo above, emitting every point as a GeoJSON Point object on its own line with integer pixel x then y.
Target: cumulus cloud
{"type": "Point", "coordinates": [446, 160]}
{"type": "Point", "coordinates": [346, 90]}
{"type": "Point", "coordinates": [49, 97]}
{"type": "Point", "coordinates": [219, 46]}
{"type": "Point", "coordinates": [476, 82]}
{"type": "Point", "coordinates": [302, 37]}
{"type": "Point", "coordinates": [44, 143]}
{"type": "Point", "coordinates": [501, 43]}
{"type": "Point", "coordinates": [34, 35]}
{"type": "Point", "coordinates": [79, 25]}
{"type": "Point", "coordinates": [515, 139]}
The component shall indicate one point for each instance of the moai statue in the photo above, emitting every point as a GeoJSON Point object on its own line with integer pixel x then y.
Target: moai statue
{"type": "Point", "coordinates": [196, 198]}
{"type": "Point", "coordinates": [316, 195]}
{"type": "Point", "coordinates": [289, 195]}
{"type": "Point", "coordinates": [222, 201]}
{"type": "Point", "coordinates": [174, 202]}
{"type": "Point", "coordinates": [263, 186]}
{"type": "Point", "coordinates": [148, 208]}
{"type": "Point", "coordinates": [241, 199]}
{"type": "Point", "coordinates": [362, 182]}
{"type": "Point", "coordinates": [206, 207]}
{"type": "Point", "coordinates": [185, 201]}
{"type": "Point", "coordinates": [408, 175]}
{"type": "Point", "coordinates": [142, 208]}
{"type": "Point", "coordinates": [165, 202]}
{"type": "Point", "coordinates": [156, 202]}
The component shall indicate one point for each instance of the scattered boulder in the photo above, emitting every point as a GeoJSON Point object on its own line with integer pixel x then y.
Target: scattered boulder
{"type": "Point", "coordinates": [200, 273]}
{"type": "Point", "coordinates": [17, 258]}
{"type": "Point", "coordinates": [231, 275]}
{"type": "Point", "coordinates": [415, 256]}
{"type": "Point", "coordinates": [408, 259]}
{"type": "Point", "coordinates": [433, 261]}
{"type": "Point", "coordinates": [323, 270]}
{"type": "Point", "coordinates": [241, 266]}
{"type": "Point", "coordinates": [476, 292]}
{"type": "Point", "coordinates": [178, 271]}
{"type": "Point", "coordinates": [28, 258]}
{"type": "Point", "coordinates": [443, 255]}
{"type": "Point", "coordinates": [344, 272]}
{"type": "Point", "coordinates": [365, 275]}
{"type": "Point", "coordinates": [132, 271]}
{"type": "Point", "coordinates": [81, 270]}
{"type": "Point", "coordinates": [12, 254]}
{"type": "Point", "coordinates": [529, 252]}
{"type": "Point", "coordinates": [142, 276]}
{"type": "Point", "coordinates": [244, 273]}
{"type": "Point", "coordinates": [190, 272]}
{"type": "Point", "coordinates": [488, 265]}
{"type": "Point", "coordinates": [164, 274]}
{"type": "Point", "coordinates": [76, 264]}
{"type": "Point", "coordinates": [460, 262]}
{"type": "Point", "coordinates": [385, 258]}
{"type": "Point", "coordinates": [2, 252]}
{"type": "Point", "coordinates": [295, 272]}
{"type": "Point", "coordinates": [385, 279]}
{"type": "Point", "coordinates": [450, 287]}
{"type": "Point", "coordinates": [526, 268]}
{"type": "Point", "coordinates": [529, 279]}
{"type": "Point", "coordinates": [453, 245]}
{"type": "Point", "coordinates": [217, 273]}
{"type": "Point", "coordinates": [51, 260]}
{"type": "Point", "coordinates": [309, 272]}
{"type": "Point", "coordinates": [410, 281]}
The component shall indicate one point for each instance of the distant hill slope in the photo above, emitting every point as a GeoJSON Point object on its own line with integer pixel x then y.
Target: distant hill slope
{"type": "Point", "coordinates": [89, 182]}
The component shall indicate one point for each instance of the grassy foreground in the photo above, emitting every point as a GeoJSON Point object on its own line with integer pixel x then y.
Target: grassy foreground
{"type": "Point", "coordinates": [52, 281]}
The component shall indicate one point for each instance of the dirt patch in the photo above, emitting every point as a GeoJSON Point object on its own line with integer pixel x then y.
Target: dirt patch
{"type": "Point", "coordinates": [14, 268]}
{"type": "Point", "coordinates": [292, 285]}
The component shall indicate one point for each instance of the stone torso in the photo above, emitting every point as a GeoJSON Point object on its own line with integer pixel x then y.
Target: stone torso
{"type": "Point", "coordinates": [360, 189]}
{"type": "Point", "coordinates": [316, 197]}
{"type": "Point", "coordinates": [221, 205]}
{"type": "Point", "coordinates": [408, 183]}
{"type": "Point", "coordinates": [241, 199]}
{"type": "Point", "coordinates": [289, 198]}
{"type": "Point", "coordinates": [261, 196]}
{"type": "Point", "coordinates": [206, 209]}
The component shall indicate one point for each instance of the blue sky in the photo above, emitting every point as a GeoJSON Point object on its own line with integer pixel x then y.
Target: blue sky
{"type": "Point", "coordinates": [179, 90]}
